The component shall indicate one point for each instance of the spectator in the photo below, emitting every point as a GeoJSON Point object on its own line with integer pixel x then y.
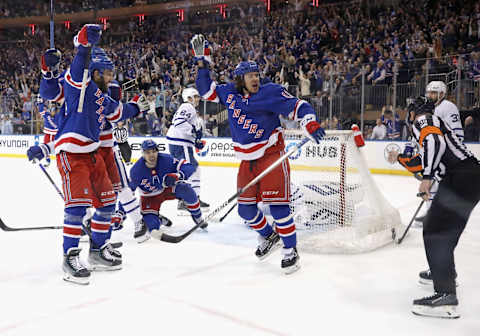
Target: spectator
{"type": "Point", "coordinates": [392, 123]}
{"type": "Point", "coordinates": [472, 130]}
{"type": "Point", "coordinates": [7, 126]}
{"type": "Point", "coordinates": [379, 131]}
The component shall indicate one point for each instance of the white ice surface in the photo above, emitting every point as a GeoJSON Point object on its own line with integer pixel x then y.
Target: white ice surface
{"type": "Point", "coordinates": [211, 283]}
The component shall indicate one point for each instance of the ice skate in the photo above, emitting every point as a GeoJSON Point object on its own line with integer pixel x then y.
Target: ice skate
{"type": "Point", "coordinates": [205, 207]}
{"type": "Point", "coordinates": [442, 305]}
{"type": "Point", "coordinates": [182, 209]}
{"type": "Point", "coordinates": [425, 278]}
{"type": "Point", "coordinates": [102, 259]}
{"type": "Point", "coordinates": [74, 270]}
{"type": "Point", "coordinates": [267, 245]}
{"type": "Point", "coordinates": [141, 232]}
{"type": "Point", "coordinates": [290, 261]}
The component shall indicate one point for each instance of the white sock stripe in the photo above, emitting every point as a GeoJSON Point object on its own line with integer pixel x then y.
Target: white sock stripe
{"type": "Point", "coordinates": [284, 220]}
{"type": "Point", "coordinates": [103, 222]}
{"type": "Point", "coordinates": [71, 235]}
{"type": "Point", "coordinates": [286, 226]}
{"type": "Point", "coordinates": [287, 235]}
{"type": "Point", "coordinates": [100, 231]}
{"type": "Point", "coordinates": [254, 220]}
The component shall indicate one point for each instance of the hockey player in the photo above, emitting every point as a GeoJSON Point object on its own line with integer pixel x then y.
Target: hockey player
{"type": "Point", "coordinates": [184, 135]}
{"type": "Point", "coordinates": [84, 175]}
{"type": "Point", "coordinates": [161, 177]}
{"type": "Point", "coordinates": [253, 113]}
{"type": "Point", "coordinates": [458, 193]}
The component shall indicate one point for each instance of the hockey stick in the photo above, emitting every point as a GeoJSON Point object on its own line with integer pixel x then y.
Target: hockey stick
{"type": "Point", "coordinates": [4, 227]}
{"type": "Point", "coordinates": [229, 210]}
{"type": "Point", "coordinates": [176, 239]}
{"type": "Point", "coordinates": [399, 241]}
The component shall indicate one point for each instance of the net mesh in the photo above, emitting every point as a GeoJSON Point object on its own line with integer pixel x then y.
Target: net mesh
{"type": "Point", "coordinates": [336, 204]}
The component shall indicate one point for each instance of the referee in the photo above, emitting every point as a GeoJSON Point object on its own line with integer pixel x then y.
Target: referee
{"type": "Point", "coordinates": [458, 193]}
{"type": "Point", "coordinates": [120, 134]}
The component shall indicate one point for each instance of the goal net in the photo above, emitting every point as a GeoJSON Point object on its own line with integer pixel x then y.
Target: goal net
{"type": "Point", "coordinates": [337, 206]}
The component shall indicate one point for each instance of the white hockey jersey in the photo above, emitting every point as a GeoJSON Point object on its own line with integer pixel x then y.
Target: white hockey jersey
{"type": "Point", "coordinates": [184, 125]}
{"type": "Point", "coordinates": [448, 112]}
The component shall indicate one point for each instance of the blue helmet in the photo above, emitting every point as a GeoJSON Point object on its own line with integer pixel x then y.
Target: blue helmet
{"type": "Point", "coordinates": [245, 67]}
{"type": "Point", "coordinates": [100, 61]}
{"type": "Point", "coordinates": [149, 144]}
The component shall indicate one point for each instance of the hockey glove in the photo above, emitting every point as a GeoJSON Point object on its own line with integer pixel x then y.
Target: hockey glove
{"type": "Point", "coordinates": [312, 128]}
{"type": "Point", "coordinates": [200, 48]}
{"type": "Point", "coordinates": [87, 36]}
{"type": "Point", "coordinates": [170, 179]}
{"type": "Point", "coordinates": [38, 152]}
{"type": "Point", "coordinates": [117, 220]}
{"type": "Point", "coordinates": [408, 150]}
{"type": "Point", "coordinates": [51, 63]}
{"type": "Point", "coordinates": [199, 144]}
{"type": "Point", "coordinates": [141, 102]}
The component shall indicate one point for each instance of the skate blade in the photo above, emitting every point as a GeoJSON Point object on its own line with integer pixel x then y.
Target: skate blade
{"type": "Point", "coordinates": [425, 282]}
{"type": "Point", "coordinates": [273, 249]}
{"type": "Point", "coordinates": [447, 312]}
{"type": "Point", "coordinates": [291, 269]}
{"type": "Point", "coordinates": [143, 238]}
{"type": "Point", "coordinates": [102, 268]}
{"type": "Point", "coordinates": [75, 280]}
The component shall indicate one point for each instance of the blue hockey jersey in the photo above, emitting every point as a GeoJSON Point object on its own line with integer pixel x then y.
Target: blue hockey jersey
{"type": "Point", "coordinates": [150, 180]}
{"type": "Point", "coordinates": [80, 132]}
{"type": "Point", "coordinates": [254, 120]}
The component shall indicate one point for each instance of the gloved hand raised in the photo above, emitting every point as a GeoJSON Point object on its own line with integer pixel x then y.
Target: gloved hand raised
{"type": "Point", "coordinates": [88, 36]}
{"type": "Point", "coordinates": [200, 48]}
{"type": "Point", "coordinates": [51, 63]}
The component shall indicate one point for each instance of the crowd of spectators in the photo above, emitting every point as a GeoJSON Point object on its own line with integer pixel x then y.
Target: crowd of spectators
{"type": "Point", "coordinates": [317, 53]}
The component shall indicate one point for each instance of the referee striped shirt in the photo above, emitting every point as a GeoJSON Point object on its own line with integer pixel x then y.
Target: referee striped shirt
{"type": "Point", "coordinates": [439, 146]}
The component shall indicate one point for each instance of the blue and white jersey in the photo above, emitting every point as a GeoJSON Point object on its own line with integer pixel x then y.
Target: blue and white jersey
{"type": "Point", "coordinates": [254, 120]}
{"type": "Point", "coordinates": [184, 125]}
{"type": "Point", "coordinates": [448, 112]}
{"type": "Point", "coordinates": [80, 132]}
{"type": "Point", "coordinates": [150, 180]}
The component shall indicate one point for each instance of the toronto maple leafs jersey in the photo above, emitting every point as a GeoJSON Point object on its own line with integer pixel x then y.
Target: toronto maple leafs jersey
{"type": "Point", "coordinates": [448, 112]}
{"type": "Point", "coordinates": [184, 125]}
{"type": "Point", "coordinates": [254, 120]}
{"type": "Point", "coordinates": [150, 180]}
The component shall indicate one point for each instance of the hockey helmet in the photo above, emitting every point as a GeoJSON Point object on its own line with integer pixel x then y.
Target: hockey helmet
{"type": "Point", "coordinates": [438, 87]}
{"type": "Point", "coordinates": [100, 61]}
{"type": "Point", "coordinates": [149, 144]}
{"type": "Point", "coordinates": [189, 92]}
{"type": "Point", "coordinates": [245, 67]}
{"type": "Point", "coordinates": [419, 106]}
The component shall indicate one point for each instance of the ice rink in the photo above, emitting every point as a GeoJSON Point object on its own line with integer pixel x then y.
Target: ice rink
{"type": "Point", "coordinates": [211, 283]}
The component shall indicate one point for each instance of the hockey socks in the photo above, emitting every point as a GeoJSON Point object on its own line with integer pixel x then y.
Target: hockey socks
{"type": "Point", "coordinates": [284, 224]}
{"type": "Point", "coordinates": [255, 219]}
{"type": "Point", "coordinates": [72, 227]}
{"type": "Point", "coordinates": [100, 225]}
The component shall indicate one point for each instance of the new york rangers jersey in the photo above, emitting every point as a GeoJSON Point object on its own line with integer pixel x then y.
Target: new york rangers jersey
{"type": "Point", "coordinates": [80, 132]}
{"type": "Point", "coordinates": [254, 120]}
{"type": "Point", "coordinates": [83, 132]}
{"type": "Point", "coordinates": [150, 180]}
{"type": "Point", "coordinates": [184, 125]}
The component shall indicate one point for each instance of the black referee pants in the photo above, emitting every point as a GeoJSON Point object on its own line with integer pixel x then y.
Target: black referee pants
{"type": "Point", "coordinates": [457, 195]}
{"type": "Point", "coordinates": [126, 151]}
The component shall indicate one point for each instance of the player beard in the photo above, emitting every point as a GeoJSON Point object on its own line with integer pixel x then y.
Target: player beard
{"type": "Point", "coordinates": [101, 84]}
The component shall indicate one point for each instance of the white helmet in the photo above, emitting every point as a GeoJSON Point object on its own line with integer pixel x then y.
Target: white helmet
{"type": "Point", "coordinates": [189, 92]}
{"type": "Point", "coordinates": [437, 86]}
